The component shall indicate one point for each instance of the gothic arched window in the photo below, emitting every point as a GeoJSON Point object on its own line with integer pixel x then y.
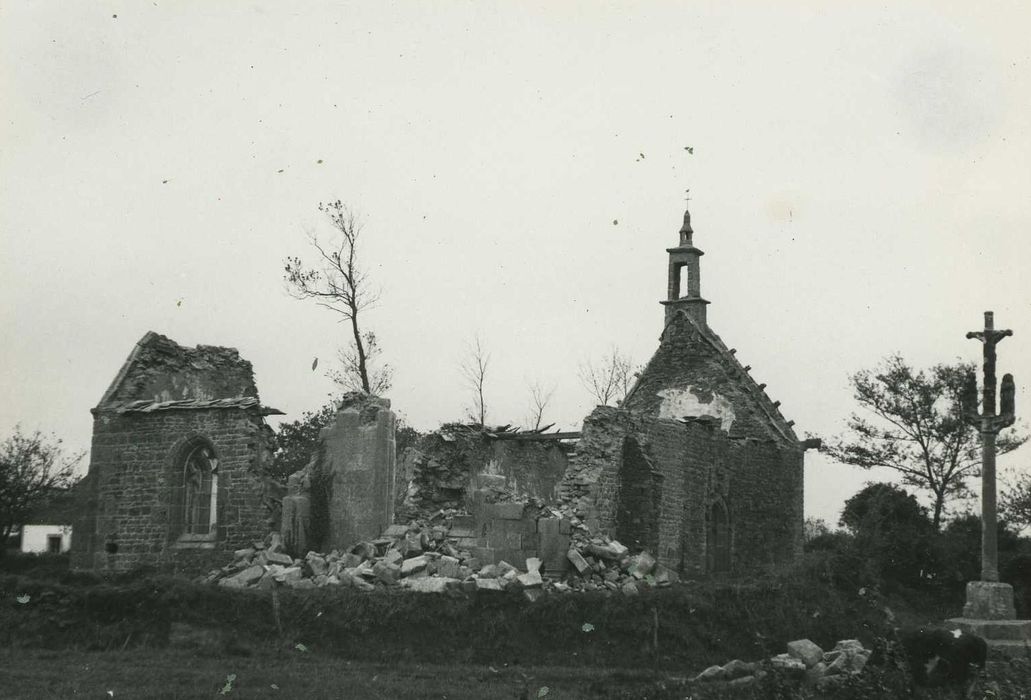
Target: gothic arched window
{"type": "Point", "coordinates": [200, 492]}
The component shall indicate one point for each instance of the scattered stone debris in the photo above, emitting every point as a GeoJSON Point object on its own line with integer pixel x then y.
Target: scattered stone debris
{"type": "Point", "coordinates": [438, 555]}
{"type": "Point", "coordinates": [804, 661]}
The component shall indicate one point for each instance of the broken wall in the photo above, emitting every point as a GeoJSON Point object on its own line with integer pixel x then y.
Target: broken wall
{"type": "Point", "coordinates": [449, 464]}
{"type": "Point", "coordinates": [650, 483]}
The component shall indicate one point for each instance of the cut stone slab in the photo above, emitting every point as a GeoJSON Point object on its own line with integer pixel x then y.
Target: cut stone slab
{"type": "Point", "coordinates": [275, 557]}
{"type": "Point", "coordinates": [533, 564]}
{"type": "Point", "coordinates": [396, 531]}
{"type": "Point", "coordinates": [410, 566]}
{"type": "Point", "coordinates": [386, 572]}
{"type": "Point", "coordinates": [531, 580]}
{"type": "Point", "coordinates": [806, 651]}
{"type": "Point", "coordinates": [989, 600]}
{"type": "Point", "coordinates": [448, 567]}
{"type": "Point", "coordinates": [788, 664]}
{"type": "Point", "coordinates": [488, 584]}
{"type": "Point", "coordinates": [430, 584]}
{"type": "Point", "coordinates": [578, 561]}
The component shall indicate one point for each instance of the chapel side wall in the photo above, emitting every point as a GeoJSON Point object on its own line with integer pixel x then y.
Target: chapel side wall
{"type": "Point", "coordinates": [133, 487]}
{"type": "Point", "coordinates": [765, 504]}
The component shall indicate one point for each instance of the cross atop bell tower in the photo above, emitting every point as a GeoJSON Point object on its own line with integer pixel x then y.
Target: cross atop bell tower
{"type": "Point", "coordinates": [684, 288]}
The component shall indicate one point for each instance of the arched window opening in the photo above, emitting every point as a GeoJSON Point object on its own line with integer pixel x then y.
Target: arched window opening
{"type": "Point", "coordinates": [200, 492]}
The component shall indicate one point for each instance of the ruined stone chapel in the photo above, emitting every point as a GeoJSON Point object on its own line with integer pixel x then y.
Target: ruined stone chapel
{"type": "Point", "coordinates": [696, 466]}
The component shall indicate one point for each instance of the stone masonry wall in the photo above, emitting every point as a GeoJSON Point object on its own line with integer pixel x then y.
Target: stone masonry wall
{"type": "Point", "coordinates": [652, 480]}
{"type": "Point", "coordinates": [134, 483]}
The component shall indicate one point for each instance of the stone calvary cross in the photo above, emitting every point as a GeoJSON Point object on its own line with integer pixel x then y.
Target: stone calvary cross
{"type": "Point", "coordinates": [989, 610]}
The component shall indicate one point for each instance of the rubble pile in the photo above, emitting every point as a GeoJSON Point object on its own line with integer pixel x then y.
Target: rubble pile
{"type": "Point", "coordinates": [804, 661]}
{"type": "Point", "coordinates": [440, 555]}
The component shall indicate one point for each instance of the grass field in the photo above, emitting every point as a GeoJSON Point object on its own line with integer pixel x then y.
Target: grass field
{"type": "Point", "coordinates": [175, 675]}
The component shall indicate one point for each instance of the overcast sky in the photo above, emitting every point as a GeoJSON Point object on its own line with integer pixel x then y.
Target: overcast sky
{"type": "Point", "coordinates": [859, 184]}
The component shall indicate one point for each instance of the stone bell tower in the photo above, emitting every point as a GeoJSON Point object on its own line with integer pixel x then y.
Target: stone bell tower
{"type": "Point", "coordinates": [684, 290]}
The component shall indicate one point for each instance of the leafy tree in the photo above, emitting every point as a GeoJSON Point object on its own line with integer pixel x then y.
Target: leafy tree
{"type": "Point", "coordinates": [1015, 504]}
{"type": "Point", "coordinates": [297, 441]}
{"type": "Point", "coordinates": [961, 546]}
{"type": "Point", "coordinates": [32, 468]}
{"type": "Point", "coordinates": [892, 532]}
{"type": "Point", "coordinates": [336, 281]}
{"type": "Point", "coordinates": [912, 422]}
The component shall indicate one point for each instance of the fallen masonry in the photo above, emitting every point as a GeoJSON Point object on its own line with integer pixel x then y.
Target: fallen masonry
{"type": "Point", "coordinates": [432, 557]}
{"type": "Point", "coordinates": [804, 661]}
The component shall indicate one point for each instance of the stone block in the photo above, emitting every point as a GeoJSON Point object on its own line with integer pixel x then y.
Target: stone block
{"type": "Point", "coordinates": [533, 564]}
{"type": "Point", "coordinates": [989, 600]}
{"type": "Point", "coordinates": [448, 567]}
{"type": "Point", "coordinates": [805, 651]}
{"type": "Point", "coordinates": [386, 572]}
{"type": "Point", "coordinates": [488, 584]}
{"type": "Point", "coordinates": [410, 566]}
{"type": "Point", "coordinates": [530, 580]}
{"type": "Point", "coordinates": [430, 584]}
{"type": "Point", "coordinates": [578, 561]}
{"type": "Point", "coordinates": [275, 557]}
{"type": "Point", "coordinates": [789, 665]}
{"type": "Point", "coordinates": [246, 577]}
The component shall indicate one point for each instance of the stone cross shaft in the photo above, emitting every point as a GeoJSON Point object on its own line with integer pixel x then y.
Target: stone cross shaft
{"type": "Point", "coordinates": [989, 423]}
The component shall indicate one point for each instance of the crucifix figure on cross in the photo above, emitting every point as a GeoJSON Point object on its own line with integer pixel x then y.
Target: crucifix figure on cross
{"type": "Point", "coordinates": [989, 599]}
{"type": "Point", "coordinates": [989, 424]}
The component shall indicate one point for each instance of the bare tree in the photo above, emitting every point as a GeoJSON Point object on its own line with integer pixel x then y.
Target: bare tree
{"type": "Point", "coordinates": [32, 468]}
{"type": "Point", "coordinates": [474, 371]}
{"type": "Point", "coordinates": [336, 281]}
{"type": "Point", "coordinates": [539, 400]}
{"type": "Point", "coordinates": [610, 379]}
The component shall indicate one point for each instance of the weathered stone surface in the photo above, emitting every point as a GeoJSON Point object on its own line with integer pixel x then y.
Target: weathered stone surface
{"type": "Point", "coordinates": [578, 561]}
{"type": "Point", "coordinates": [531, 580]}
{"type": "Point", "coordinates": [713, 673]}
{"type": "Point", "coordinates": [410, 566]}
{"type": "Point", "coordinates": [430, 584]}
{"type": "Point", "coordinates": [292, 573]}
{"type": "Point", "coordinates": [738, 669]}
{"type": "Point", "coordinates": [449, 567]}
{"type": "Point", "coordinates": [533, 564]}
{"type": "Point", "coordinates": [386, 572]}
{"type": "Point", "coordinates": [279, 558]}
{"type": "Point", "coordinates": [488, 584]}
{"type": "Point", "coordinates": [132, 511]}
{"type": "Point", "coordinates": [806, 651]}
{"type": "Point", "coordinates": [987, 600]}
{"type": "Point", "coordinates": [788, 664]}
{"type": "Point", "coordinates": [358, 461]}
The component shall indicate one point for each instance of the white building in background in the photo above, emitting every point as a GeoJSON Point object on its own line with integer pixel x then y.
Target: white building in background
{"type": "Point", "coordinates": [46, 539]}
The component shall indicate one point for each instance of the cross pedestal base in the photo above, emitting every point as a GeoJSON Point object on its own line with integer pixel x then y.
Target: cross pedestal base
{"type": "Point", "coordinates": [989, 600]}
{"type": "Point", "coordinates": [989, 614]}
